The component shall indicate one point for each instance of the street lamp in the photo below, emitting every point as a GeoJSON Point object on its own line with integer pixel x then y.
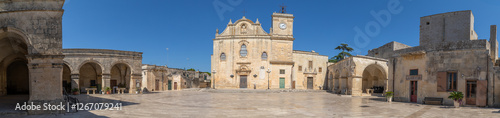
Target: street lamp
{"type": "Point", "coordinates": [268, 74]}
{"type": "Point", "coordinates": [213, 72]}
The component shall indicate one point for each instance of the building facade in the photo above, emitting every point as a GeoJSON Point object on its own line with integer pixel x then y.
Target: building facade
{"type": "Point", "coordinates": [162, 78]}
{"type": "Point", "coordinates": [246, 56]}
{"type": "Point", "coordinates": [450, 57]}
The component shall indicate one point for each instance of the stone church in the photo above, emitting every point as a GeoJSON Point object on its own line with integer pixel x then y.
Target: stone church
{"type": "Point", "coordinates": [247, 57]}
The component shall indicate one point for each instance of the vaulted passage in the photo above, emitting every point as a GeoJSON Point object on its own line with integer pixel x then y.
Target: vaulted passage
{"type": "Point", "coordinates": [373, 78]}
{"type": "Point", "coordinates": [14, 72]}
{"type": "Point", "coordinates": [120, 76]}
{"type": "Point", "coordinates": [90, 76]}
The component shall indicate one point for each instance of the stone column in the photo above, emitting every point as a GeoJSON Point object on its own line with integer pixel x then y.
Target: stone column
{"type": "Point", "coordinates": [135, 82]}
{"type": "Point", "coordinates": [106, 78]}
{"type": "Point", "coordinates": [75, 81]}
{"type": "Point", "coordinates": [45, 79]}
{"type": "Point", "coordinates": [356, 83]}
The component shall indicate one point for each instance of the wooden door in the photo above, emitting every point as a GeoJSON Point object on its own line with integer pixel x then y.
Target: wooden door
{"type": "Point", "coordinates": [282, 82]}
{"type": "Point", "coordinates": [310, 83]}
{"type": "Point", "coordinates": [157, 85]}
{"type": "Point", "coordinates": [481, 93]}
{"type": "Point", "coordinates": [175, 85]}
{"type": "Point", "coordinates": [413, 91]}
{"type": "Point", "coordinates": [243, 81]}
{"type": "Point", "coordinates": [470, 94]}
{"type": "Point", "coordinates": [169, 84]}
{"type": "Point", "coordinates": [293, 84]}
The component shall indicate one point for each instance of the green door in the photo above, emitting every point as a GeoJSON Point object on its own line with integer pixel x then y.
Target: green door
{"type": "Point", "coordinates": [169, 84]}
{"type": "Point", "coordinates": [282, 82]}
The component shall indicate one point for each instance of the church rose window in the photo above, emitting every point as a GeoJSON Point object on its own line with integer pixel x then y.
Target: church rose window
{"type": "Point", "coordinates": [223, 57]}
{"type": "Point", "coordinates": [243, 51]}
{"type": "Point", "coordinates": [264, 56]}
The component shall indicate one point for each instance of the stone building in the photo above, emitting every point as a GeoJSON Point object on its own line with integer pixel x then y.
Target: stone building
{"type": "Point", "coordinates": [101, 68]}
{"type": "Point", "coordinates": [162, 78]}
{"type": "Point", "coordinates": [450, 57]}
{"type": "Point", "coordinates": [246, 56]}
{"type": "Point", "coordinates": [31, 56]}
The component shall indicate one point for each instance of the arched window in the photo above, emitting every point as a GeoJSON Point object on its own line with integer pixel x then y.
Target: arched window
{"type": "Point", "coordinates": [264, 56]}
{"type": "Point", "coordinates": [222, 57]}
{"type": "Point", "coordinates": [243, 51]}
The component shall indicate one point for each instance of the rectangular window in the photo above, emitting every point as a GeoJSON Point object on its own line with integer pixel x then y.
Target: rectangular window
{"type": "Point", "coordinates": [320, 69]}
{"type": "Point", "coordinates": [414, 72]}
{"type": "Point", "coordinates": [310, 64]}
{"type": "Point", "coordinates": [282, 71]}
{"type": "Point", "coordinates": [300, 68]}
{"type": "Point", "coordinates": [451, 81]}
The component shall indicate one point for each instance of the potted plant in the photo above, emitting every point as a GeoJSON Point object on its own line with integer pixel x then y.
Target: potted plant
{"type": "Point", "coordinates": [389, 95]}
{"type": "Point", "coordinates": [108, 90]}
{"type": "Point", "coordinates": [457, 97]}
{"type": "Point", "coordinates": [75, 91]}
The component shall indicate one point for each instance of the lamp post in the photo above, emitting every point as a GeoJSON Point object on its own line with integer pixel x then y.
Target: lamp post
{"type": "Point", "coordinates": [213, 72]}
{"type": "Point", "coordinates": [268, 74]}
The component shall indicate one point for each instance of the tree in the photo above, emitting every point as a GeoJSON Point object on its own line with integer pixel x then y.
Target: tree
{"type": "Point", "coordinates": [191, 69]}
{"type": "Point", "coordinates": [342, 55]}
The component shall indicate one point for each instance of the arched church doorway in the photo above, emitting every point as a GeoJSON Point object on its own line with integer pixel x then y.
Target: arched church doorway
{"type": "Point", "coordinates": [120, 76]}
{"type": "Point", "coordinates": [90, 76]}
{"type": "Point", "coordinates": [374, 78]}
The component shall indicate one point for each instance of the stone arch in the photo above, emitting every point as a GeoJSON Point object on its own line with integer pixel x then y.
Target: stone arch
{"type": "Point", "coordinates": [14, 72]}
{"type": "Point", "coordinates": [120, 75]}
{"type": "Point", "coordinates": [14, 32]}
{"type": "Point", "coordinates": [343, 80]}
{"type": "Point", "coordinates": [69, 66]}
{"type": "Point", "coordinates": [66, 77]}
{"type": "Point", "coordinates": [123, 62]}
{"type": "Point", "coordinates": [90, 75]}
{"type": "Point", "coordinates": [374, 76]}
{"type": "Point", "coordinates": [89, 61]}
{"type": "Point", "coordinates": [336, 81]}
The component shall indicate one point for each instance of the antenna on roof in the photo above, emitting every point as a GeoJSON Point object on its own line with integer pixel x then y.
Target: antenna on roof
{"type": "Point", "coordinates": [283, 8]}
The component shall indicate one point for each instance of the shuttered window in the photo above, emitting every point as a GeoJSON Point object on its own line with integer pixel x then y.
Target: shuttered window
{"type": "Point", "coordinates": [441, 81]}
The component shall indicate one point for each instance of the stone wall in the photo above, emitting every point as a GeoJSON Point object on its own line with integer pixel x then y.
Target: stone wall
{"type": "Point", "coordinates": [451, 26]}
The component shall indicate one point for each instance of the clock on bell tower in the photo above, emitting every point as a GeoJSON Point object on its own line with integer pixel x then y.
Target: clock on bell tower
{"type": "Point", "coordinates": [282, 25]}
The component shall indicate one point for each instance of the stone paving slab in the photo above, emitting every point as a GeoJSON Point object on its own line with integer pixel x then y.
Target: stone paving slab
{"type": "Point", "coordinates": [195, 104]}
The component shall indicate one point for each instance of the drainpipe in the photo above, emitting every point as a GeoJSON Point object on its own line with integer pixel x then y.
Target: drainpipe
{"type": "Point", "coordinates": [487, 75]}
{"type": "Point", "coordinates": [393, 76]}
{"type": "Point", "coordinates": [291, 77]}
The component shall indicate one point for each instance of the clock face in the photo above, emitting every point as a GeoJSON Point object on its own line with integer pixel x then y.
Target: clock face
{"type": "Point", "coordinates": [282, 25]}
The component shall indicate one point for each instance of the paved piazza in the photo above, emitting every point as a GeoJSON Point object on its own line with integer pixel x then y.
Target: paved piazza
{"type": "Point", "coordinates": [286, 104]}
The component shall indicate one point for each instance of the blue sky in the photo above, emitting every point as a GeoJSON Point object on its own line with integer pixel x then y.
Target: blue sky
{"type": "Point", "coordinates": [187, 27]}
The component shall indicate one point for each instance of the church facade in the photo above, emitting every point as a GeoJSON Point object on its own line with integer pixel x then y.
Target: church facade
{"type": "Point", "coordinates": [245, 56]}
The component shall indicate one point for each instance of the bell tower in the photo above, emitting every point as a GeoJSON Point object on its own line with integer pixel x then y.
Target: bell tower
{"type": "Point", "coordinates": [282, 24]}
